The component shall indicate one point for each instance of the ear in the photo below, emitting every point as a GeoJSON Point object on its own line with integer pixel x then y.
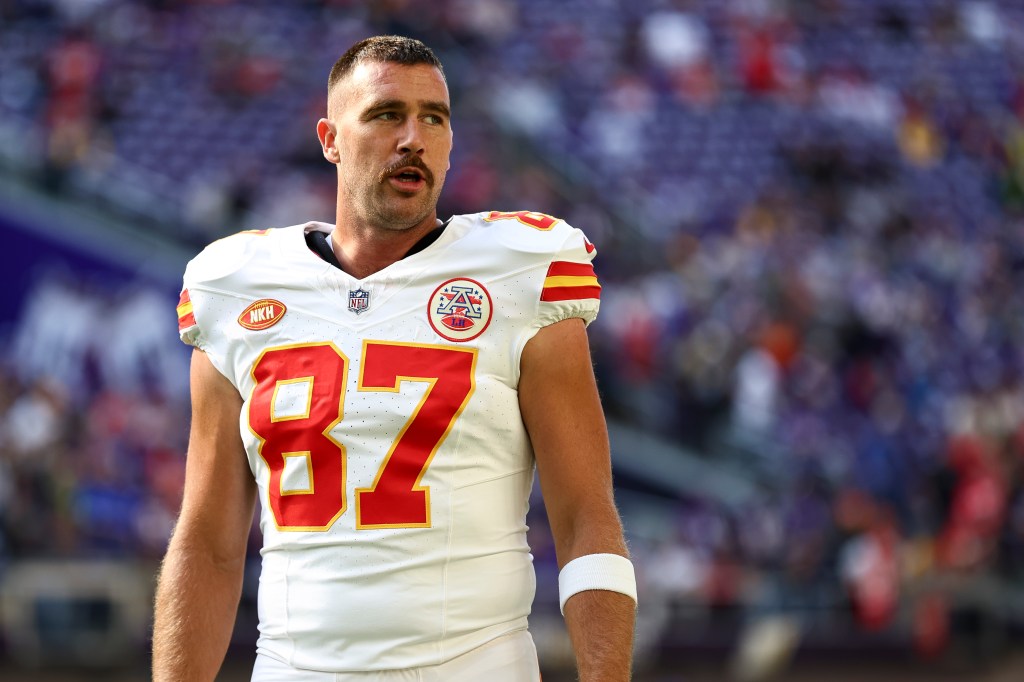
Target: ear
{"type": "Point", "coordinates": [327, 133]}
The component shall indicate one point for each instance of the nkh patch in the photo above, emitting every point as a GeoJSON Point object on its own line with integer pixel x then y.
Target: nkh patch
{"type": "Point", "coordinates": [262, 314]}
{"type": "Point", "coordinates": [460, 309]}
{"type": "Point", "coordinates": [358, 300]}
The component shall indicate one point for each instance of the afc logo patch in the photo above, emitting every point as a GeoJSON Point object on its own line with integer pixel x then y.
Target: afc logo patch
{"type": "Point", "coordinates": [460, 309]}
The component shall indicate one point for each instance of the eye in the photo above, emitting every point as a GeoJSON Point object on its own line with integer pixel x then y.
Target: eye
{"type": "Point", "coordinates": [433, 119]}
{"type": "Point", "coordinates": [387, 116]}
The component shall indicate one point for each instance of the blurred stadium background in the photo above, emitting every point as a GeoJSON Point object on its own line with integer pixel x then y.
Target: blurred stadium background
{"type": "Point", "coordinates": [811, 348]}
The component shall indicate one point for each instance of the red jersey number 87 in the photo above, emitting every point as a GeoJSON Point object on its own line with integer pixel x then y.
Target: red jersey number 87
{"type": "Point", "coordinates": [302, 440]}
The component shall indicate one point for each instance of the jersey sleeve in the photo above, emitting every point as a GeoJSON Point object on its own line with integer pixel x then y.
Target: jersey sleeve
{"type": "Point", "coordinates": [215, 264]}
{"type": "Point", "coordinates": [188, 330]}
{"type": "Point", "coordinates": [571, 287]}
{"type": "Point", "coordinates": [209, 300]}
{"type": "Point", "coordinates": [197, 319]}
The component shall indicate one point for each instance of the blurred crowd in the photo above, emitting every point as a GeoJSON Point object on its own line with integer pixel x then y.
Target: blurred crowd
{"type": "Point", "coordinates": [809, 222]}
{"type": "Point", "coordinates": [93, 423]}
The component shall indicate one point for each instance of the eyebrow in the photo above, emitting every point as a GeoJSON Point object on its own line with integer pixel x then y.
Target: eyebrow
{"type": "Point", "coordinates": [435, 106]}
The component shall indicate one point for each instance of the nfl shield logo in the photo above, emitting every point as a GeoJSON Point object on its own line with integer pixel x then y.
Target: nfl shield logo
{"type": "Point", "coordinates": [358, 300]}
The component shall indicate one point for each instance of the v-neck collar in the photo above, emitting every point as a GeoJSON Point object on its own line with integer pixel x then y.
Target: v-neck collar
{"type": "Point", "coordinates": [319, 242]}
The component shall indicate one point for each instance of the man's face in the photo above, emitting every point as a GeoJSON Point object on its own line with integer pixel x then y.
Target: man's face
{"type": "Point", "coordinates": [392, 140]}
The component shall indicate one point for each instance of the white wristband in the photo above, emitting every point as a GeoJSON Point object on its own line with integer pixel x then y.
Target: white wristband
{"type": "Point", "coordinates": [596, 572]}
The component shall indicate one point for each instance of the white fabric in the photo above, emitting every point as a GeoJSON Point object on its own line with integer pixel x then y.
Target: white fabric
{"type": "Point", "coordinates": [596, 572]}
{"type": "Point", "coordinates": [509, 658]}
{"type": "Point", "coordinates": [338, 595]}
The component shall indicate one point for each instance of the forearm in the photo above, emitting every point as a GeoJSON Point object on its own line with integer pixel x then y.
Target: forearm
{"type": "Point", "coordinates": [600, 621]}
{"type": "Point", "coordinates": [562, 413]}
{"type": "Point", "coordinates": [196, 602]}
{"type": "Point", "coordinates": [600, 625]}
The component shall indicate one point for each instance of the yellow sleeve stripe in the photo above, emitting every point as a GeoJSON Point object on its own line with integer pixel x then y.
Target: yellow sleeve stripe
{"type": "Point", "coordinates": [184, 309]}
{"type": "Point", "coordinates": [570, 281]}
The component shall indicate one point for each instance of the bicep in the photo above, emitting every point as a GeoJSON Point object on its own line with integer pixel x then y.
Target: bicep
{"type": "Point", "coordinates": [220, 492]}
{"type": "Point", "coordinates": [562, 412]}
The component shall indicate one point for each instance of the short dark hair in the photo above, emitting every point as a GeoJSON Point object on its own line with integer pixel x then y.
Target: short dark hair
{"type": "Point", "coordinates": [397, 49]}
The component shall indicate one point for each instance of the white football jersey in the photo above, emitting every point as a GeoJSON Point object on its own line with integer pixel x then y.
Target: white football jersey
{"type": "Point", "coordinates": [382, 425]}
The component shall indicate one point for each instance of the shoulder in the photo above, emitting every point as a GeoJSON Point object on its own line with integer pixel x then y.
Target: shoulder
{"type": "Point", "coordinates": [530, 232]}
{"type": "Point", "coordinates": [229, 269]}
{"type": "Point", "coordinates": [227, 256]}
{"type": "Point", "coordinates": [556, 260]}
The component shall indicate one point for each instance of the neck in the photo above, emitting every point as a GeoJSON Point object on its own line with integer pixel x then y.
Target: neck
{"type": "Point", "coordinates": [363, 251]}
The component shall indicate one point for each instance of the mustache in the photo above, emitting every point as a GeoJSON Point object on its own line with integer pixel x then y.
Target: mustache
{"type": "Point", "coordinates": [407, 161]}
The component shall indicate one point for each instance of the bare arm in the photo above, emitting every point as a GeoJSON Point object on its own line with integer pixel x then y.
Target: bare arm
{"type": "Point", "coordinates": [562, 412]}
{"type": "Point", "coordinates": [201, 579]}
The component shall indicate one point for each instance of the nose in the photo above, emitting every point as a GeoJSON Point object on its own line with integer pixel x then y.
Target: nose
{"type": "Point", "coordinates": [410, 139]}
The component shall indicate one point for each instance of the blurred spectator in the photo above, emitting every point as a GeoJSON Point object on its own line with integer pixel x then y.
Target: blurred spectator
{"type": "Point", "coordinates": [847, 94]}
{"type": "Point", "coordinates": [33, 423]}
{"type": "Point", "coordinates": [920, 140]}
{"type": "Point", "coordinates": [675, 40]}
{"type": "Point", "coordinates": [870, 567]}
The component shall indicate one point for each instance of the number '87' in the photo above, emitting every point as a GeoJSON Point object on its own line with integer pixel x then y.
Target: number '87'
{"type": "Point", "coordinates": [396, 499]}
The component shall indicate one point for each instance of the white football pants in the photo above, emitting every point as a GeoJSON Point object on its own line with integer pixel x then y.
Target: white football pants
{"type": "Point", "coordinates": [509, 658]}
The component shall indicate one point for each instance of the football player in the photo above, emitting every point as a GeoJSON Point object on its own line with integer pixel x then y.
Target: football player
{"type": "Point", "coordinates": [387, 386]}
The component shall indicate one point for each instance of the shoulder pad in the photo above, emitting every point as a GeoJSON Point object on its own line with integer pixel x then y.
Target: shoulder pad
{"type": "Point", "coordinates": [226, 256]}
{"type": "Point", "coordinates": [528, 231]}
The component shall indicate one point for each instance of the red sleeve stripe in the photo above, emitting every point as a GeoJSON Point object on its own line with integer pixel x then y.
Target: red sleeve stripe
{"type": "Point", "coordinates": [186, 321]}
{"type": "Point", "coordinates": [186, 318]}
{"type": "Point", "coordinates": [568, 281]}
{"type": "Point", "coordinates": [561, 268]}
{"type": "Point", "coordinates": [551, 294]}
